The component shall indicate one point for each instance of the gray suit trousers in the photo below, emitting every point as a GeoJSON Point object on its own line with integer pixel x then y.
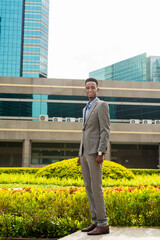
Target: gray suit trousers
{"type": "Point", "coordinates": [92, 176]}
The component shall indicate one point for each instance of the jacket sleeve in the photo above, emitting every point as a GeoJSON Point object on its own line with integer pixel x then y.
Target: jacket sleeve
{"type": "Point", "coordinates": [104, 124]}
{"type": "Point", "coordinates": [81, 143]}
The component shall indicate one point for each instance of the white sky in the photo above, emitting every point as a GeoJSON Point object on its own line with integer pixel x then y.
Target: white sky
{"type": "Point", "coordinates": [85, 35]}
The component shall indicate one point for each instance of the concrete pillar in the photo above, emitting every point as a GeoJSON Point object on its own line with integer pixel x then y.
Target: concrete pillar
{"type": "Point", "coordinates": [108, 154]}
{"type": "Point", "coordinates": [159, 156]}
{"type": "Point", "coordinates": [26, 156]}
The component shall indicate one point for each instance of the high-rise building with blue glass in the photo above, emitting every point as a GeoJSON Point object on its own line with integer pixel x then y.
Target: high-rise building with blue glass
{"type": "Point", "coordinates": [24, 38]}
{"type": "Point", "coordinates": [153, 69]}
{"type": "Point", "coordinates": [138, 68]}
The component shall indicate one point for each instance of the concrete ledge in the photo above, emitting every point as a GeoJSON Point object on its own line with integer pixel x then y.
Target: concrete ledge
{"type": "Point", "coordinates": [119, 233]}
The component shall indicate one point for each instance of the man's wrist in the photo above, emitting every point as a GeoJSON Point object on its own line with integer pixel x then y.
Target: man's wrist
{"type": "Point", "coordinates": [100, 153]}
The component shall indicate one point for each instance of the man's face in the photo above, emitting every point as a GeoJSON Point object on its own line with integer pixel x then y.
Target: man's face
{"type": "Point", "coordinates": [91, 90]}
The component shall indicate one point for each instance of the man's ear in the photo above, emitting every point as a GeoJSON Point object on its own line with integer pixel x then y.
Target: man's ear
{"type": "Point", "coordinates": [97, 89]}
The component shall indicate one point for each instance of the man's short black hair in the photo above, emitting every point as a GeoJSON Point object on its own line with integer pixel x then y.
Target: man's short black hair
{"type": "Point", "coordinates": [91, 80]}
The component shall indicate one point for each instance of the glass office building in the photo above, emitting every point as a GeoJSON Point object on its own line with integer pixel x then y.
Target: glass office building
{"type": "Point", "coordinates": [122, 109]}
{"type": "Point", "coordinates": [11, 23]}
{"type": "Point", "coordinates": [24, 38]}
{"type": "Point", "coordinates": [153, 69]}
{"type": "Point", "coordinates": [20, 106]}
{"type": "Point", "coordinates": [138, 68]}
{"type": "Point", "coordinates": [134, 111]}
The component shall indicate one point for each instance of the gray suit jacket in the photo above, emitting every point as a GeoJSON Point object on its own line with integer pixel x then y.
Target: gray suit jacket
{"type": "Point", "coordinates": [95, 133]}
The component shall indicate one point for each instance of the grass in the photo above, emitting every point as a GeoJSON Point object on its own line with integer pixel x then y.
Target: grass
{"type": "Point", "coordinates": [29, 180]}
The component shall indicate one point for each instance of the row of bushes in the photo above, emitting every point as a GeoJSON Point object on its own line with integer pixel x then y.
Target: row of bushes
{"type": "Point", "coordinates": [58, 212]}
{"type": "Point", "coordinates": [69, 169]}
{"type": "Point", "coordinates": [20, 170]}
{"type": "Point", "coordinates": [145, 171]}
{"type": "Point", "coordinates": [25, 180]}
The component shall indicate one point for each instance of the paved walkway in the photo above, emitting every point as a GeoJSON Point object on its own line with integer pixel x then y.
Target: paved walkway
{"type": "Point", "coordinates": [119, 233]}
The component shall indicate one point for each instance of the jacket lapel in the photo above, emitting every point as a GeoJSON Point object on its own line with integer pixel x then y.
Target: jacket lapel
{"type": "Point", "coordinates": [84, 110]}
{"type": "Point", "coordinates": [89, 113]}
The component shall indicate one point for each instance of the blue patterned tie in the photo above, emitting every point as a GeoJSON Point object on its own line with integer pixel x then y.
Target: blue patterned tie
{"type": "Point", "coordinates": [88, 106]}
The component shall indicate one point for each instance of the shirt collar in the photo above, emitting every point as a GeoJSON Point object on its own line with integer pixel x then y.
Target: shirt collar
{"type": "Point", "coordinates": [89, 104]}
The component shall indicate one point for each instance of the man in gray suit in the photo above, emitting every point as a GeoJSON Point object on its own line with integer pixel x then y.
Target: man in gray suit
{"type": "Point", "coordinates": [95, 136]}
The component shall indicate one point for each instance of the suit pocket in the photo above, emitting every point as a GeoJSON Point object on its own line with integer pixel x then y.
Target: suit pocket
{"type": "Point", "coordinates": [94, 143]}
{"type": "Point", "coordinates": [94, 137]}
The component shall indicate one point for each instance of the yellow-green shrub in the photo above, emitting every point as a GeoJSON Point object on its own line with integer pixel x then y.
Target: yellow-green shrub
{"type": "Point", "coordinates": [116, 171]}
{"type": "Point", "coordinates": [70, 169]}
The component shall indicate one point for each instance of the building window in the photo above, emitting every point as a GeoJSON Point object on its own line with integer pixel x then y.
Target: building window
{"type": "Point", "coordinates": [47, 153]}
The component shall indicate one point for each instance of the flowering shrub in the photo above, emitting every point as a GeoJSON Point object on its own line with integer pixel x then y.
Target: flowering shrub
{"type": "Point", "coordinates": [133, 206]}
{"type": "Point", "coordinates": [70, 169]}
{"type": "Point", "coordinates": [41, 213]}
{"type": "Point", "coordinates": [55, 213]}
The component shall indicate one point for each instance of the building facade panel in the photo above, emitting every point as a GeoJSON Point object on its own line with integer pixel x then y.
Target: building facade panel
{"type": "Point", "coordinates": [34, 105]}
{"type": "Point", "coordinates": [53, 137]}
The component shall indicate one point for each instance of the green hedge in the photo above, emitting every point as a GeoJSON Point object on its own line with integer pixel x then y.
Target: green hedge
{"type": "Point", "coordinates": [35, 170]}
{"type": "Point", "coordinates": [145, 171]}
{"type": "Point", "coordinates": [58, 212]}
{"type": "Point", "coordinates": [18, 170]}
{"type": "Point", "coordinates": [70, 169]}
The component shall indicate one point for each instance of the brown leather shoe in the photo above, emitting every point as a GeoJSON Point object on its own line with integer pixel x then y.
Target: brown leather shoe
{"type": "Point", "coordinates": [88, 229]}
{"type": "Point", "coordinates": [99, 230]}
